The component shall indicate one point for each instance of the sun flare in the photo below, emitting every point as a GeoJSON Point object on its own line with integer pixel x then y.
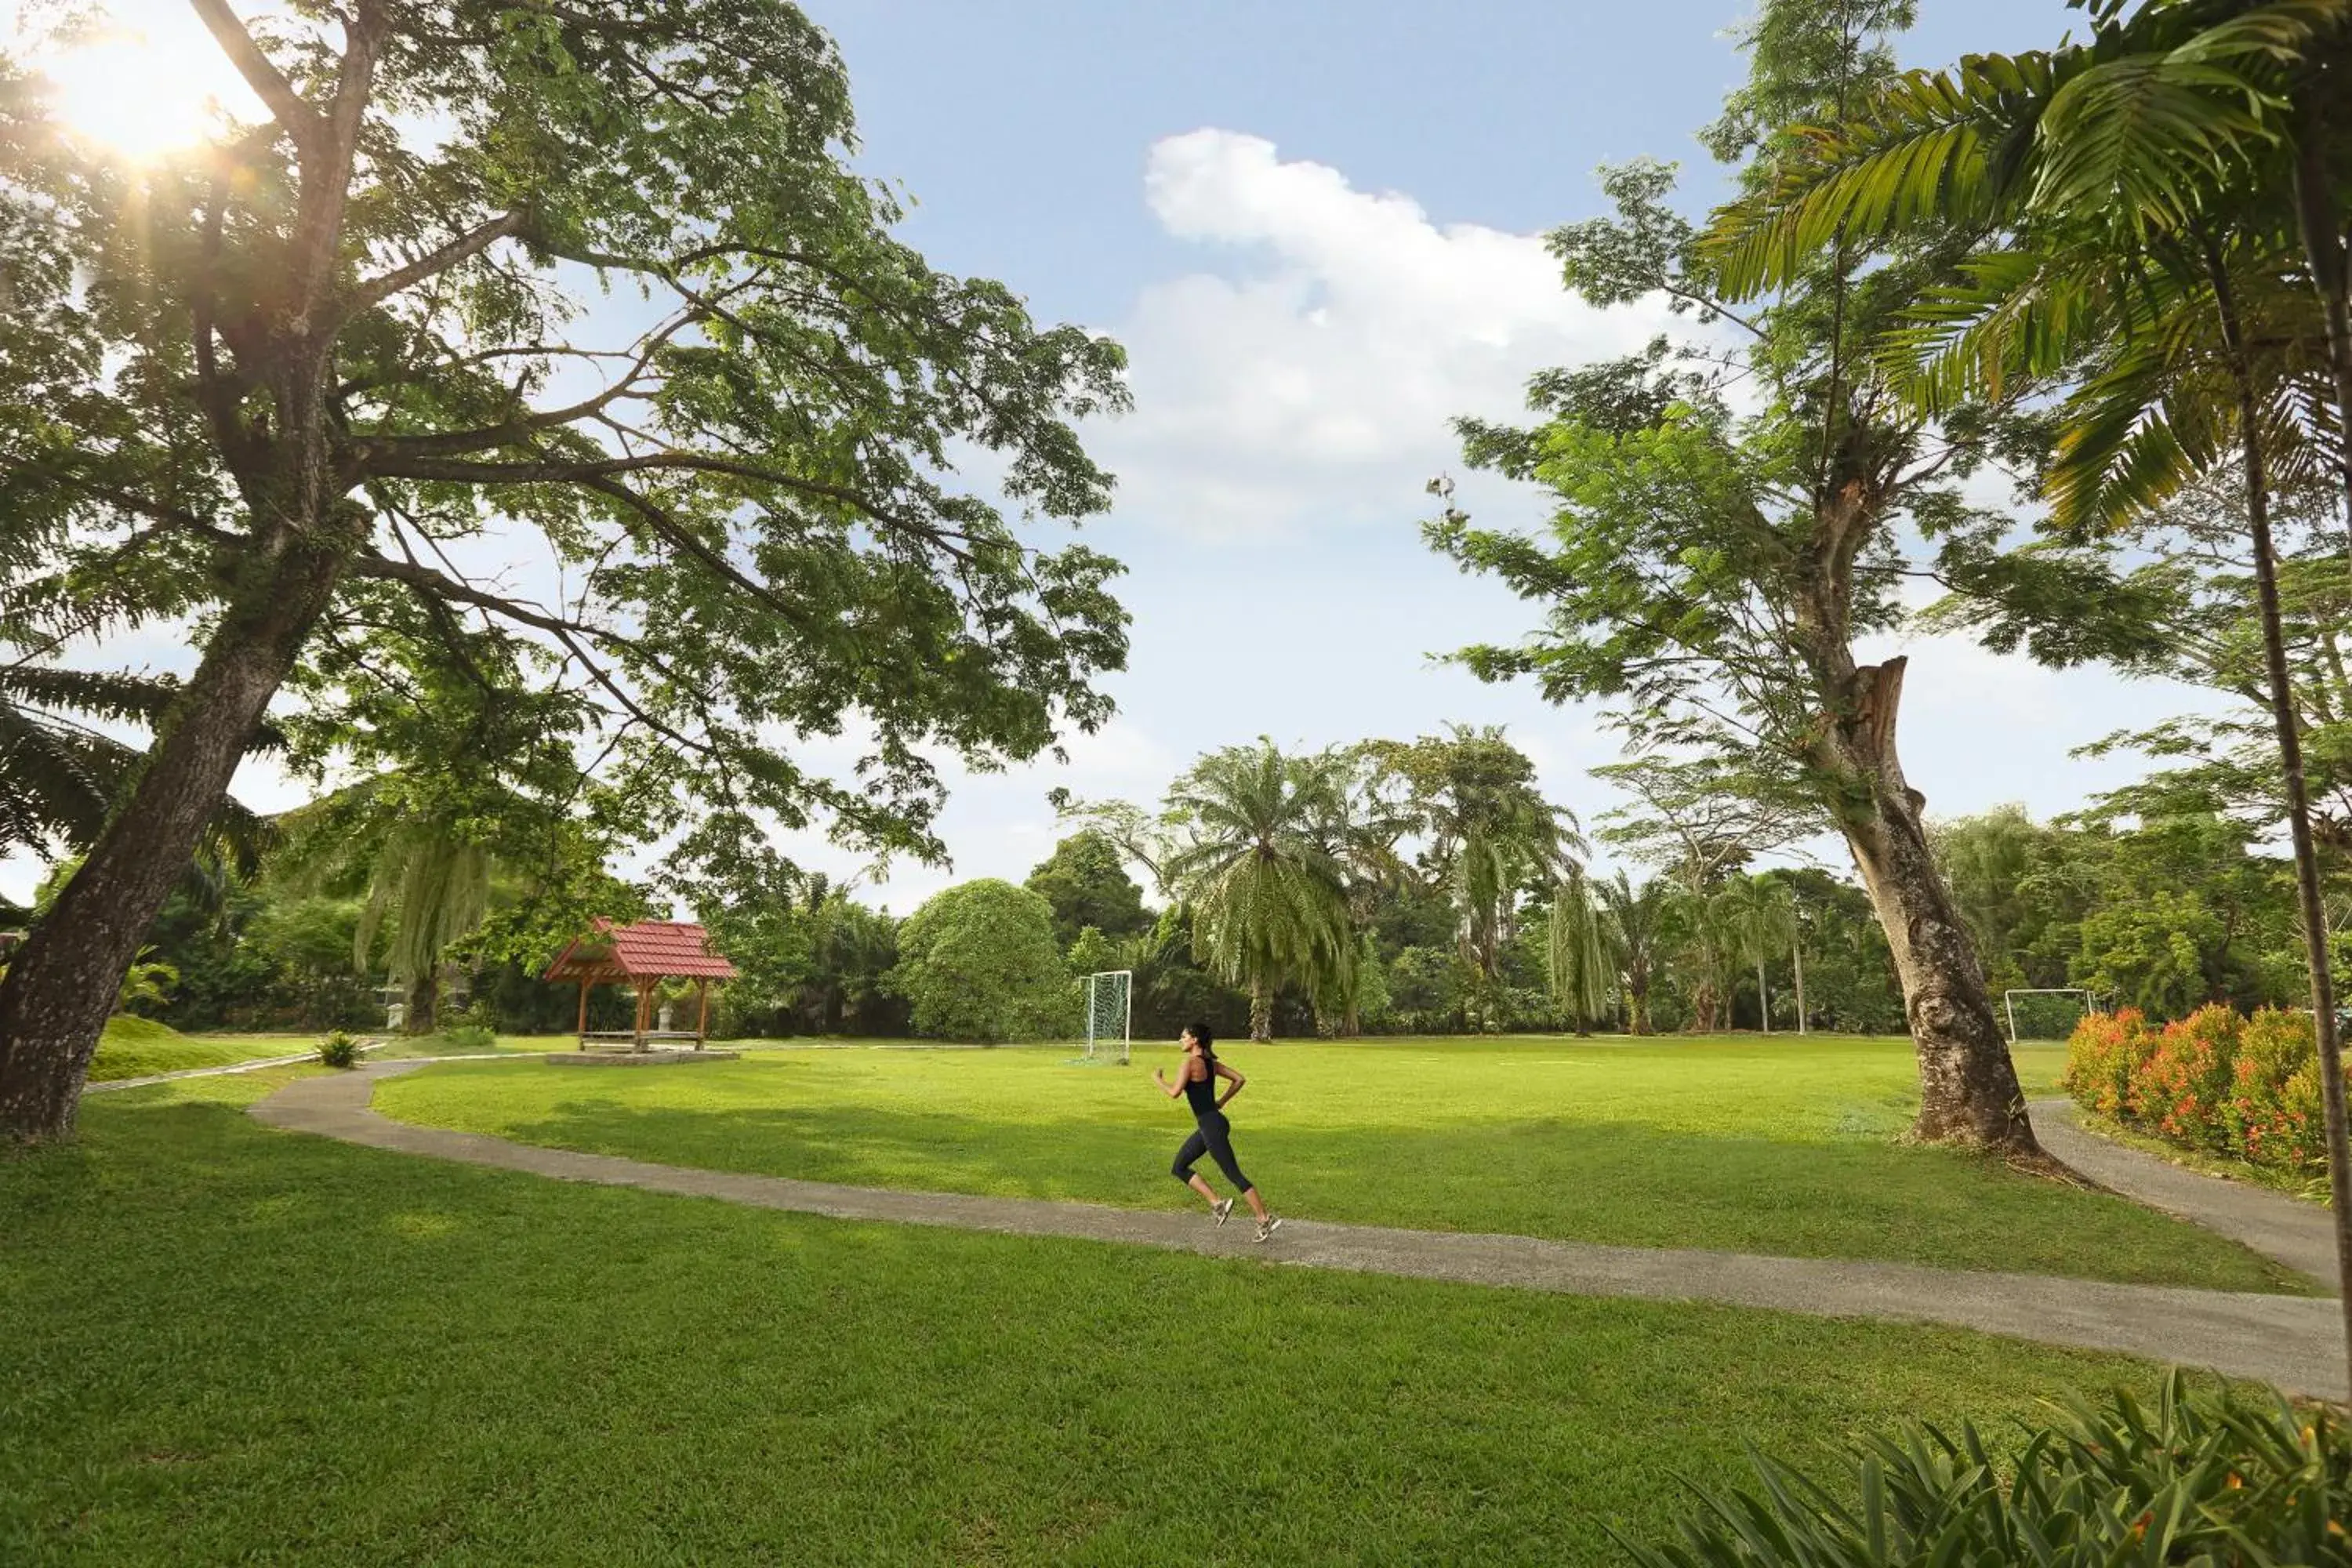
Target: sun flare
{"type": "Point", "coordinates": [140, 94]}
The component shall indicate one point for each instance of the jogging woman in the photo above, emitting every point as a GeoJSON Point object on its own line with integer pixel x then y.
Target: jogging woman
{"type": "Point", "coordinates": [1214, 1135]}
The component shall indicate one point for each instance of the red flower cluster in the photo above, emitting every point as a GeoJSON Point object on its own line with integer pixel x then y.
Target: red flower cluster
{"type": "Point", "coordinates": [2215, 1081]}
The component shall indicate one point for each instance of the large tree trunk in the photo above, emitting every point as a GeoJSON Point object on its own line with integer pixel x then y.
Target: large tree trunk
{"type": "Point", "coordinates": [1763, 1000]}
{"type": "Point", "coordinates": [1260, 1010]}
{"type": "Point", "coordinates": [62, 983]}
{"type": "Point", "coordinates": [423, 1001]}
{"type": "Point", "coordinates": [1969, 1092]}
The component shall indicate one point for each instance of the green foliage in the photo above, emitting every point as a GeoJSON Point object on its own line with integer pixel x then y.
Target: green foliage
{"type": "Point", "coordinates": [1092, 953]}
{"type": "Point", "coordinates": [978, 962]}
{"type": "Point", "coordinates": [2150, 955]}
{"type": "Point", "coordinates": [147, 984]}
{"type": "Point", "coordinates": [308, 386]}
{"type": "Point", "coordinates": [338, 1051]}
{"type": "Point", "coordinates": [812, 961]}
{"type": "Point", "coordinates": [1581, 947]}
{"type": "Point", "coordinates": [467, 1036]}
{"type": "Point", "coordinates": [1258, 873]}
{"type": "Point", "coordinates": [2200, 1477]}
{"type": "Point", "coordinates": [1087, 883]}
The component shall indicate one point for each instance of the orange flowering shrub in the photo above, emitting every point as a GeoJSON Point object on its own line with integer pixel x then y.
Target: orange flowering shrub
{"type": "Point", "coordinates": [2248, 1087]}
{"type": "Point", "coordinates": [2105, 1054]}
{"type": "Point", "coordinates": [2181, 1090]}
{"type": "Point", "coordinates": [2274, 1110]}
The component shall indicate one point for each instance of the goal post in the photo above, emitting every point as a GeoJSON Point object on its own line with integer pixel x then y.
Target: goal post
{"type": "Point", "coordinates": [1110, 1016]}
{"type": "Point", "coordinates": [2036, 1012]}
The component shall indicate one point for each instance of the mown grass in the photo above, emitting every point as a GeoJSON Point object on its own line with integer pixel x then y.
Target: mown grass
{"type": "Point", "coordinates": [1785, 1146]}
{"type": "Point", "coordinates": [139, 1047]}
{"type": "Point", "coordinates": [230, 1344]}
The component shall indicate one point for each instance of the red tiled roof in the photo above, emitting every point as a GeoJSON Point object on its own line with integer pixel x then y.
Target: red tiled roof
{"type": "Point", "coordinates": [648, 949]}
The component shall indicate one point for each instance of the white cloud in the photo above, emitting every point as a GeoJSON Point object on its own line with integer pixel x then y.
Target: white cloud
{"type": "Point", "coordinates": [1316, 384]}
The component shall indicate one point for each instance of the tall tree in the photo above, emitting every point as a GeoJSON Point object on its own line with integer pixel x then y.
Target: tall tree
{"type": "Point", "coordinates": [1640, 920]}
{"type": "Point", "coordinates": [279, 384]}
{"type": "Point", "coordinates": [1582, 947]}
{"type": "Point", "coordinates": [1761, 918]}
{"type": "Point", "coordinates": [2152, 184]}
{"type": "Point", "coordinates": [1472, 799]}
{"type": "Point", "coordinates": [1086, 884]}
{"type": "Point", "coordinates": [1267, 898]}
{"type": "Point", "coordinates": [1711, 569]}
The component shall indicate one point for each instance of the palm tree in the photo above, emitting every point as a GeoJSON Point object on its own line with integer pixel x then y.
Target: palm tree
{"type": "Point", "coordinates": [2164, 184]}
{"type": "Point", "coordinates": [1584, 950]}
{"type": "Point", "coordinates": [1489, 831]}
{"type": "Point", "coordinates": [60, 775]}
{"type": "Point", "coordinates": [1760, 919]}
{"type": "Point", "coordinates": [1267, 896]}
{"type": "Point", "coordinates": [1640, 921]}
{"type": "Point", "coordinates": [416, 869]}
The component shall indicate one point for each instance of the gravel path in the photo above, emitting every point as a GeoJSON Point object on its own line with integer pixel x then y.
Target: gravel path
{"type": "Point", "coordinates": [2299, 1235]}
{"type": "Point", "coordinates": [2291, 1341]}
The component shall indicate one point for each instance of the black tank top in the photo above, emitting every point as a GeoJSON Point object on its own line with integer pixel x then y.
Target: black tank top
{"type": "Point", "coordinates": [1202, 1091]}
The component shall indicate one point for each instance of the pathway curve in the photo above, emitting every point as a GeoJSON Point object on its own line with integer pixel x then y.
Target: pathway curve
{"type": "Point", "coordinates": [2291, 1341]}
{"type": "Point", "coordinates": [104, 1085]}
{"type": "Point", "coordinates": [2300, 1235]}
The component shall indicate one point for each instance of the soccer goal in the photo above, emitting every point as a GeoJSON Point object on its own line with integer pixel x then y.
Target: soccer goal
{"type": "Point", "coordinates": [1110, 1017]}
{"type": "Point", "coordinates": [2046, 1014]}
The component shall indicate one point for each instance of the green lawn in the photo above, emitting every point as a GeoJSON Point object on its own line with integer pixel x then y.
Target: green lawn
{"type": "Point", "coordinates": [225, 1344]}
{"type": "Point", "coordinates": [139, 1047]}
{"type": "Point", "coordinates": [1783, 1146]}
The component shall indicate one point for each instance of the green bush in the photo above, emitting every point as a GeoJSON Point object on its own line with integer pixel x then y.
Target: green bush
{"type": "Point", "coordinates": [468, 1038]}
{"type": "Point", "coordinates": [338, 1051]}
{"type": "Point", "coordinates": [978, 962]}
{"type": "Point", "coordinates": [2201, 1478]}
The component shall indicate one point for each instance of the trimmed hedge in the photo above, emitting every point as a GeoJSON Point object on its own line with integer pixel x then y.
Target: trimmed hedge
{"type": "Point", "coordinates": [2214, 1081]}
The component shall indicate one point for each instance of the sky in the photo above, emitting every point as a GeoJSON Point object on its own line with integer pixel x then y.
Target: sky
{"type": "Point", "coordinates": [1316, 228]}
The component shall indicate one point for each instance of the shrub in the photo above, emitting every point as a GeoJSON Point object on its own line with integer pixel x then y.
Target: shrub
{"type": "Point", "coordinates": [338, 1051]}
{"type": "Point", "coordinates": [2105, 1054]}
{"type": "Point", "coordinates": [468, 1038]}
{"type": "Point", "coordinates": [2273, 1111]}
{"type": "Point", "coordinates": [2184, 1085]}
{"type": "Point", "coordinates": [978, 962]}
{"type": "Point", "coordinates": [2197, 1478]}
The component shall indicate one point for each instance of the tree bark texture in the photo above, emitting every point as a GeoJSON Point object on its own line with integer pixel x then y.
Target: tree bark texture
{"type": "Point", "coordinates": [1969, 1092]}
{"type": "Point", "coordinates": [1797, 957]}
{"type": "Point", "coordinates": [423, 1002]}
{"type": "Point", "coordinates": [1763, 1000]}
{"type": "Point", "coordinates": [1260, 1010]}
{"type": "Point", "coordinates": [62, 983]}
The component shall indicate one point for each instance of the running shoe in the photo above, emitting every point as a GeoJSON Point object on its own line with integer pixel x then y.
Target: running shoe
{"type": "Point", "coordinates": [1266, 1227]}
{"type": "Point", "coordinates": [1222, 1209]}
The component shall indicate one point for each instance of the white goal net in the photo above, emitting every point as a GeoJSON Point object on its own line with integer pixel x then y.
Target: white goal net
{"type": "Point", "coordinates": [2044, 1014]}
{"type": "Point", "coordinates": [1111, 1014]}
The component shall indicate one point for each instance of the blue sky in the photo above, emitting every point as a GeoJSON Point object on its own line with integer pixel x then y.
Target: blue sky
{"type": "Point", "coordinates": [1315, 224]}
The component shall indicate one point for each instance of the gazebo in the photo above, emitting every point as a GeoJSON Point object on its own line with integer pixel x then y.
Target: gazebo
{"type": "Point", "coordinates": [640, 956]}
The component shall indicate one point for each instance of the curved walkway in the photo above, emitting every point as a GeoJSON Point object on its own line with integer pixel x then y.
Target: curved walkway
{"type": "Point", "coordinates": [2300, 1235]}
{"type": "Point", "coordinates": [2292, 1342]}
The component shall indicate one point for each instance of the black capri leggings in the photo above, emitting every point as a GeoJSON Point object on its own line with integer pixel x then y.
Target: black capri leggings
{"type": "Point", "coordinates": [1214, 1138]}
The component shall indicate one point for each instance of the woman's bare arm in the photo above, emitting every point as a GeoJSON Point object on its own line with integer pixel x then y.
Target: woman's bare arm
{"type": "Point", "coordinates": [1238, 1081]}
{"type": "Point", "coordinates": [1172, 1090]}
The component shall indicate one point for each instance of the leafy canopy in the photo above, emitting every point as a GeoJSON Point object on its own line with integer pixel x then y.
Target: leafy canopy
{"type": "Point", "coordinates": [570, 328]}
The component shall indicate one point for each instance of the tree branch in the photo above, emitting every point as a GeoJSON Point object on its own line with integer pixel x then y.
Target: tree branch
{"type": "Point", "coordinates": [474, 241]}
{"type": "Point", "coordinates": [269, 84]}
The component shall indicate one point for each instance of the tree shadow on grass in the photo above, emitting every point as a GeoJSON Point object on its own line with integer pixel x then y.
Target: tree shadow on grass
{"type": "Point", "coordinates": [1618, 1183]}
